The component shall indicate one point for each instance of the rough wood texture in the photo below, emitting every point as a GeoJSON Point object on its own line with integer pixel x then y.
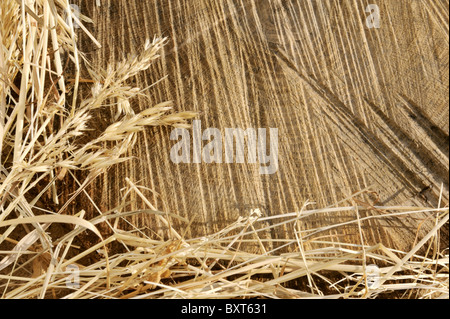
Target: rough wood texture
{"type": "Point", "coordinates": [355, 107]}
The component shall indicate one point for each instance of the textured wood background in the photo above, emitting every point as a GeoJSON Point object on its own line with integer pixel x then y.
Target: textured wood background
{"type": "Point", "coordinates": [355, 107]}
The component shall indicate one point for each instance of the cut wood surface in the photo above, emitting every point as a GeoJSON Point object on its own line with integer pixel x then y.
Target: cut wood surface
{"type": "Point", "coordinates": [356, 108]}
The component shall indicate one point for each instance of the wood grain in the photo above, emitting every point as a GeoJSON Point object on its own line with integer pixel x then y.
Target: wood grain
{"type": "Point", "coordinates": [355, 107]}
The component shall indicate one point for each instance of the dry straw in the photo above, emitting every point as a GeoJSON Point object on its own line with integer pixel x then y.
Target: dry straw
{"type": "Point", "coordinates": [43, 140]}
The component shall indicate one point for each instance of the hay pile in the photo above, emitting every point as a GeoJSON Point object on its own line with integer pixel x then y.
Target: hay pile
{"type": "Point", "coordinates": [46, 139]}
